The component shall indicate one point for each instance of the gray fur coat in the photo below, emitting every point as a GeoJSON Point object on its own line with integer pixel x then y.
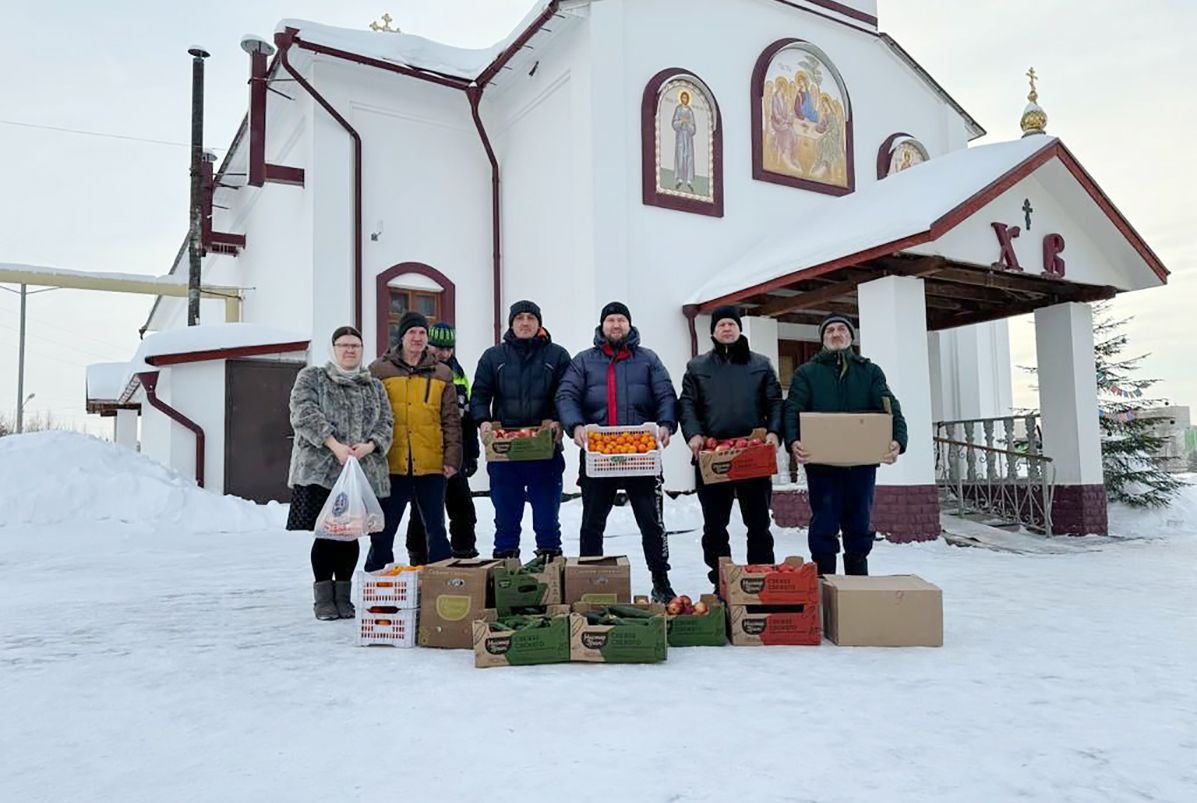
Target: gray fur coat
{"type": "Point", "coordinates": [352, 408]}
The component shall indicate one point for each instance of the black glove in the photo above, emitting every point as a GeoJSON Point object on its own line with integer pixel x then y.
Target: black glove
{"type": "Point", "coordinates": [469, 467]}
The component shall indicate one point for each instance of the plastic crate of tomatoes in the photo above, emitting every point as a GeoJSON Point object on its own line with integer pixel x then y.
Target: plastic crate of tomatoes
{"type": "Point", "coordinates": [622, 451]}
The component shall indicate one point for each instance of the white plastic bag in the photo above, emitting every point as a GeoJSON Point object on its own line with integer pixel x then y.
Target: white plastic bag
{"type": "Point", "coordinates": [352, 509]}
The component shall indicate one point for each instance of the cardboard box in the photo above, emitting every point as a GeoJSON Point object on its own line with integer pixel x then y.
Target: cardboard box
{"type": "Point", "coordinates": [846, 439]}
{"type": "Point", "coordinates": [616, 644]}
{"type": "Point", "coordinates": [738, 464]}
{"type": "Point", "coordinates": [690, 630]}
{"type": "Point", "coordinates": [894, 611]}
{"type": "Point", "coordinates": [453, 593]}
{"type": "Point", "coordinates": [742, 587]}
{"type": "Point", "coordinates": [598, 580]}
{"type": "Point", "coordinates": [768, 625]}
{"type": "Point", "coordinates": [541, 645]}
{"type": "Point", "coordinates": [515, 589]}
{"type": "Point", "coordinates": [537, 447]}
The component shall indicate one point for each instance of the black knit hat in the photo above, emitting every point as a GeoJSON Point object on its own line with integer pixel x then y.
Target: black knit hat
{"type": "Point", "coordinates": [830, 319]}
{"type": "Point", "coordinates": [411, 320]}
{"type": "Point", "coordinates": [442, 336]}
{"type": "Point", "coordinates": [726, 311]}
{"type": "Point", "coordinates": [615, 308]}
{"type": "Point", "coordinates": [529, 307]}
{"type": "Point", "coordinates": [341, 331]}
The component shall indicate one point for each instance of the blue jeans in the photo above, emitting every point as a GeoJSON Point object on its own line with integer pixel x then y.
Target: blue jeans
{"type": "Point", "coordinates": [841, 500]}
{"type": "Point", "coordinates": [427, 493]}
{"type": "Point", "coordinates": [537, 481]}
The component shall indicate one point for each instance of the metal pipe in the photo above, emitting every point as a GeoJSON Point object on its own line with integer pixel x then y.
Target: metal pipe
{"type": "Point", "coordinates": [149, 381]}
{"type": "Point", "coordinates": [474, 93]}
{"type": "Point", "coordinates": [283, 41]}
{"type": "Point", "coordinates": [21, 366]}
{"type": "Point", "coordinates": [198, 54]}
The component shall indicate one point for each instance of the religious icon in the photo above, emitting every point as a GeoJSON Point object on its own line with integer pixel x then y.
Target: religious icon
{"type": "Point", "coordinates": [905, 154]}
{"type": "Point", "coordinates": [685, 140]}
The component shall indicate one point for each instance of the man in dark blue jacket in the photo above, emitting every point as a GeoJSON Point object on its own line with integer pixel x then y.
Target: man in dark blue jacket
{"type": "Point", "coordinates": [727, 393]}
{"type": "Point", "coordinates": [620, 383]}
{"type": "Point", "coordinates": [514, 386]}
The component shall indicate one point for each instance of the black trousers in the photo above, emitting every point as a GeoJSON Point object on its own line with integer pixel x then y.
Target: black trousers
{"type": "Point", "coordinates": [330, 559]}
{"type": "Point", "coordinates": [463, 519]}
{"type": "Point", "coordinates": [755, 496]}
{"type": "Point", "coordinates": [645, 496]}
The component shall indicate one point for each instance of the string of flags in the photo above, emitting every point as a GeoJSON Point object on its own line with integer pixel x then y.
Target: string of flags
{"type": "Point", "coordinates": [1121, 417]}
{"type": "Point", "coordinates": [1118, 390]}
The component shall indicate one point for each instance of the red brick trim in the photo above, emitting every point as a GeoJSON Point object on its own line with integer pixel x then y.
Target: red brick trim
{"type": "Point", "coordinates": [902, 513]}
{"type": "Point", "coordinates": [1080, 510]}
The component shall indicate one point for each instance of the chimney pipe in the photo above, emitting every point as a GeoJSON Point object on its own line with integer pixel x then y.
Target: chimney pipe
{"type": "Point", "coordinates": [198, 54]}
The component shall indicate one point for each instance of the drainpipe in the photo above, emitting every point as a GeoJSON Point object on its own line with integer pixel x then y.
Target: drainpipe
{"type": "Point", "coordinates": [149, 381]}
{"type": "Point", "coordinates": [474, 93]}
{"type": "Point", "coordinates": [691, 312]}
{"type": "Point", "coordinates": [284, 41]}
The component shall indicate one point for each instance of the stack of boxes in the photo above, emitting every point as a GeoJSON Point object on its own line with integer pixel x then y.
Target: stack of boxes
{"type": "Point", "coordinates": [528, 625]}
{"type": "Point", "coordinates": [770, 605]}
{"type": "Point", "coordinates": [386, 603]}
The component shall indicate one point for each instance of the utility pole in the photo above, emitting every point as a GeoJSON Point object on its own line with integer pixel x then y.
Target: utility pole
{"type": "Point", "coordinates": [21, 367]}
{"type": "Point", "coordinates": [198, 54]}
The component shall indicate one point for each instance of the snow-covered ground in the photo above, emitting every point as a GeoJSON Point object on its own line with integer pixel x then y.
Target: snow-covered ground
{"type": "Point", "coordinates": [148, 655]}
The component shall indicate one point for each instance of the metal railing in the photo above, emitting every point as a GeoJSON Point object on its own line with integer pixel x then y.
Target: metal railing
{"type": "Point", "coordinates": [996, 467]}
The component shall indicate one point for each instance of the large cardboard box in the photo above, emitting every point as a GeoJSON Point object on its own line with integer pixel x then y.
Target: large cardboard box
{"type": "Point", "coordinates": [616, 644]}
{"type": "Point", "coordinates": [515, 589]}
{"type": "Point", "coordinates": [453, 593]}
{"type": "Point", "coordinates": [598, 580]}
{"type": "Point", "coordinates": [846, 439]}
{"type": "Point", "coordinates": [768, 625]}
{"type": "Point", "coordinates": [547, 644]}
{"type": "Point", "coordinates": [738, 464]}
{"type": "Point", "coordinates": [895, 611]}
{"type": "Point", "coordinates": [791, 582]}
{"type": "Point", "coordinates": [539, 446]}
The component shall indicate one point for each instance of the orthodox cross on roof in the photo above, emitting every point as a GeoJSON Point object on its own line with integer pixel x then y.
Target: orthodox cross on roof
{"type": "Point", "coordinates": [385, 27]}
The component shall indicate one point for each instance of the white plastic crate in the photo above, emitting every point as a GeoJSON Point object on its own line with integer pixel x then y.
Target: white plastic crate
{"type": "Point", "coordinates": [393, 629]}
{"type": "Point", "coordinates": [647, 464]}
{"type": "Point", "coordinates": [400, 591]}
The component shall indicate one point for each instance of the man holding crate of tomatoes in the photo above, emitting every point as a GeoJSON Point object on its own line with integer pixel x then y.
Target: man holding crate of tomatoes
{"type": "Point", "coordinates": [619, 383]}
{"type": "Point", "coordinates": [727, 393]}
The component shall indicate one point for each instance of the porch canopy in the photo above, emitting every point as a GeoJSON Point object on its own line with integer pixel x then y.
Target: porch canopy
{"type": "Point", "coordinates": [994, 231]}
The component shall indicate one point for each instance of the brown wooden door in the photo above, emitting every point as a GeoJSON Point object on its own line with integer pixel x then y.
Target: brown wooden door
{"type": "Point", "coordinates": [257, 428]}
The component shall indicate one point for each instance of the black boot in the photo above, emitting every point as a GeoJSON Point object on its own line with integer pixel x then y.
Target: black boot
{"type": "Point", "coordinates": [826, 563]}
{"type": "Point", "coordinates": [466, 555]}
{"type": "Point", "coordinates": [856, 564]}
{"type": "Point", "coordinates": [548, 553]}
{"type": "Point", "coordinates": [503, 554]}
{"type": "Point", "coordinates": [325, 605]}
{"type": "Point", "coordinates": [343, 596]}
{"type": "Point", "coordinates": [662, 590]}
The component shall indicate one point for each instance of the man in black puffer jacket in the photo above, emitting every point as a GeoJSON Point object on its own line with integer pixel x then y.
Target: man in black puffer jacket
{"type": "Point", "coordinates": [727, 393]}
{"type": "Point", "coordinates": [620, 383]}
{"type": "Point", "coordinates": [515, 386]}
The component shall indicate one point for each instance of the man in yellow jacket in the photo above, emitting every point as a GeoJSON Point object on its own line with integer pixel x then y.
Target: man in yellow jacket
{"type": "Point", "coordinates": [426, 449]}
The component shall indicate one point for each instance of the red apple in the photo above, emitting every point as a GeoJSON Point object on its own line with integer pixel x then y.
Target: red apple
{"type": "Point", "coordinates": [686, 601]}
{"type": "Point", "coordinates": [710, 443]}
{"type": "Point", "coordinates": [755, 442]}
{"type": "Point", "coordinates": [700, 608]}
{"type": "Point", "coordinates": [741, 443]}
{"type": "Point", "coordinates": [674, 608]}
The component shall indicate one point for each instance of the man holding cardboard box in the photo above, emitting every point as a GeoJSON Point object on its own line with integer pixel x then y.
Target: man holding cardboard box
{"type": "Point", "coordinates": [838, 380]}
{"type": "Point", "coordinates": [515, 386]}
{"type": "Point", "coordinates": [727, 393]}
{"type": "Point", "coordinates": [619, 383]}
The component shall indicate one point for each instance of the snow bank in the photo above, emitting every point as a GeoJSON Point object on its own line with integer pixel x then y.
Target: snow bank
{"type": "Point", "coordinates": [68, 477]}
{"type": "Point", "coordinates": [1178, 519]}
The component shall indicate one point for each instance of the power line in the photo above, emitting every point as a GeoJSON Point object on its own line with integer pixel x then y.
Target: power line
{"type": "Point", "coordinates": [100, 134]}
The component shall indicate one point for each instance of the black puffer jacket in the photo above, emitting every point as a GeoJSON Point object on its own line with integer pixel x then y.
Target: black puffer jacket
{"type": "Point", "coordinates": [728, 392]}
{"type": "Point", "coordinates": [516, 381]}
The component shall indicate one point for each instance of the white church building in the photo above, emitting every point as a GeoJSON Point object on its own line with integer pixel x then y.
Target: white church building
{"type": "Point", "coordinates": [786, 156]}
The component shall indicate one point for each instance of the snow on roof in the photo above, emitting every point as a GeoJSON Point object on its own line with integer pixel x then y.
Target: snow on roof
{"type": "Point", "coordinates": [106, 381]}
{"type": "Point", "coordinates": [51, 272]}
{"type": "Point", "coordinates": [409, 49]}
{"type": "Point", "coordinates": [208, 337]}
{"type": "Point", "coordinates": [896, 207]}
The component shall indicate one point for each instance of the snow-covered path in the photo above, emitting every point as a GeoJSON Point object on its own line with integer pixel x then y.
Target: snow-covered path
{"type": "Point", "coordinates": [141, 663]}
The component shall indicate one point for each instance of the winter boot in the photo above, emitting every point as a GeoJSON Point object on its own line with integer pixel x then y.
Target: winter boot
{"type": "Point", "coordinates": [856, 564]}
{"type": "Point", "coordinates": [825, 562]}
{"type": "Point", "coordinates": [325, 605]}
{"type": "Point", "coordinates": [548, 553]}
{"type": "Point", "coordinates": [662, 590]}
{"type": "Point", "coordinates": [343, 594]}
{"type": "Point", "coordinates": [503, 554]}
{"type": "Point", "coordinates": [466, 555]}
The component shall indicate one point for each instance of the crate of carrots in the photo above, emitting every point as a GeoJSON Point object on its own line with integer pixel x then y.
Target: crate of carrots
{"type": "Point", "coordinates": [622, 451]}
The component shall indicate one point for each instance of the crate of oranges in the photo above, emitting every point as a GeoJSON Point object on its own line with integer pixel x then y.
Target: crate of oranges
{"type": "Point", "coordinates": [622, 451]}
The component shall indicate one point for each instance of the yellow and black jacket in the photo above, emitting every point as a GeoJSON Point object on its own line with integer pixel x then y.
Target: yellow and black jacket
{"type": "Point", "coordinates": [427, 420]}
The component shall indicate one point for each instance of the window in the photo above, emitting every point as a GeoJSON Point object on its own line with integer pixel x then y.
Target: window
{"type": "Point", "coordinates": [403, 300]}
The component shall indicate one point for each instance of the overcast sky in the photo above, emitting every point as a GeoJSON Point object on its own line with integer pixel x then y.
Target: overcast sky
{"type": "Point", "coordinates": [1118, 90]}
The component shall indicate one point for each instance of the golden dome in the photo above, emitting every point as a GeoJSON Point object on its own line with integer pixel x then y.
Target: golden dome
{"type": "Point", "coordinates": [1034, 118]}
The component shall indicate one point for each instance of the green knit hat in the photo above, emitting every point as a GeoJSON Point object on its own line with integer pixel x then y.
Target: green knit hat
{"type": "Point", "coordinates": [442, 335]}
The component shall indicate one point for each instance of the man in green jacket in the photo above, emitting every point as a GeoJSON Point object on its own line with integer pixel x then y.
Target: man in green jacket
{"type": "Point", "coordinates": [837, 380]}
